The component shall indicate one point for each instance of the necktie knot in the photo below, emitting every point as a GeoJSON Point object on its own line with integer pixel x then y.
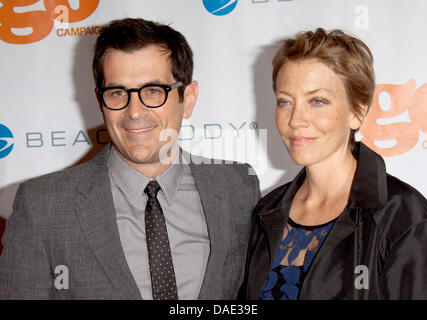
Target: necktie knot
{"type": "Point", "coordinates": [152, 188]}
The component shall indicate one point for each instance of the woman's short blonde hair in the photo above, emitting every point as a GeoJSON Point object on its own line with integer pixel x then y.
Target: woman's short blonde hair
{"type": "Point", "coordinates": [346, 55]}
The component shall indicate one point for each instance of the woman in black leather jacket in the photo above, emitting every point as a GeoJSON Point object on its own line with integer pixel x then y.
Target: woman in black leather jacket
{"type": "Point", "coordinates": [343, 228]}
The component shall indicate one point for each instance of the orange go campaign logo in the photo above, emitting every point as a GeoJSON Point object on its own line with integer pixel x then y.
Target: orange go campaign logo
{"type": "Point", "coordinates": [406, 103]}
{"type": "Point", "coordinates": [14, 17]}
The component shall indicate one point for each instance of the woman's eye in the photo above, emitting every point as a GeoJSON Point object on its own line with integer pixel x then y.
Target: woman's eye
{"type": "Point", "coordinates": [319, 102]}
{"type": "Point", "coordinates": [282, 102]}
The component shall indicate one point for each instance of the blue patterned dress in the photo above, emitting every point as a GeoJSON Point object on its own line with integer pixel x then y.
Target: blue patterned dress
{"type": "Point", "coordinates": [293, 258]}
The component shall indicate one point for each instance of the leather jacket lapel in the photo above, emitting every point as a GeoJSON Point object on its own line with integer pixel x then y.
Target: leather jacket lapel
{"type": "Point", "coordinates": [275, 218]}
{"type": "Point", "coordinates": [344, 227]}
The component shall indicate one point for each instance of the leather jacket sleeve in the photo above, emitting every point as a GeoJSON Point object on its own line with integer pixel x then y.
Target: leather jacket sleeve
{"type": "Point", "coordinates": [405, 269]}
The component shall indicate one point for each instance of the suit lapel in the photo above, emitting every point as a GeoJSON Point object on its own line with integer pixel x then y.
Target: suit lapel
{"type": "Point", "coordinates": [95, 210]}
{"type": "Point", "coordinates": [212, 198]}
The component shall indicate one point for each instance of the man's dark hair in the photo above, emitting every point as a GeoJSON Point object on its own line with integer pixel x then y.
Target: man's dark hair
{"type": "Point", "coordinates": [133, 34]}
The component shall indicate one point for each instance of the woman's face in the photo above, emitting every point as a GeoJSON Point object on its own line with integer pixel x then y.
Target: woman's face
{"type": "Point", "coordinates": [313, 115]}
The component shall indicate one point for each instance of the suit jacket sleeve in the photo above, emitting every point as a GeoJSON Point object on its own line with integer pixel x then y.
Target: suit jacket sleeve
{"type": "Point", "coordinates": [255, 198]}
{"type": "Point", "coordinates": [405, 269]}
{"type": "Point", "coordinates": [24, 266]}
{"type": "Point", "coordinates": [256, 189]}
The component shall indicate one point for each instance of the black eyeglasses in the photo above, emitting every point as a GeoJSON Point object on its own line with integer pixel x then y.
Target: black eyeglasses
{"type": "Point", "coordinates": [151, 95]}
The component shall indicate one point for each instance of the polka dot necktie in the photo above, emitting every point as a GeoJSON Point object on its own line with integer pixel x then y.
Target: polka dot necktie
{"type": "Point", "coordinates": [163, 280]}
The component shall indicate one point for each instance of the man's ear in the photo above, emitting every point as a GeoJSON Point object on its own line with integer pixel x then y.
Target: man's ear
{"type": "Point", "coordinates": [357, 119]}
{"type": "Point", "coordinates": [190, 96]}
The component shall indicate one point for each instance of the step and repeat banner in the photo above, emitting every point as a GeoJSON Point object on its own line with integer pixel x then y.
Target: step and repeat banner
{"type": "Point", "coordinates": [50, 118]}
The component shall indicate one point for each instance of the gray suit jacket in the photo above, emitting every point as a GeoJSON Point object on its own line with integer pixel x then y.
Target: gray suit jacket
{"type": "Point", "coordinates": [67, 218]}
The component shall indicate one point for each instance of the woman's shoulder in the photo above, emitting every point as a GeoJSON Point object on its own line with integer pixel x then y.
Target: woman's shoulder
{"type": "Point", "coordinates": [405, 209]}
{"type": "Point", "coordinates": [405, 196]}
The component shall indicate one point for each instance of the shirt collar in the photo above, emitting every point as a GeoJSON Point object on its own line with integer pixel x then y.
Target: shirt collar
{"type": "Point", "coordinates": [170, 180]}
{"type": "Point", "coordinates": [133, 183]}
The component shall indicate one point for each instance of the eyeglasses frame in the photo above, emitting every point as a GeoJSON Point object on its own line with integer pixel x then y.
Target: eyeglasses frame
{"type": "Point", "coordinates": [166, 87]}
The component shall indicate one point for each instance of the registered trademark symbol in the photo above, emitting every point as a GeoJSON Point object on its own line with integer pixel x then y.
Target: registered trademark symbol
{"type": "Point", "coordinates": [253, 125]}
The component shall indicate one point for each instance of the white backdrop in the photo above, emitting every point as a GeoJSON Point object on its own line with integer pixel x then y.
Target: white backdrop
{"type": "Point", "coordinates": [50, 119]}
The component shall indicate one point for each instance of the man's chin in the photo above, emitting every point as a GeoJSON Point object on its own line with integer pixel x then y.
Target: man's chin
{"type": "Point", "coordinates": [139, 155]}
{"type": "Point", "coordinates": [143, 158]}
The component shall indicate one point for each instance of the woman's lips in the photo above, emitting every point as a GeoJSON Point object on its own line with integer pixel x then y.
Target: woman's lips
{"type": "Point", "coordinates": [301, 141]}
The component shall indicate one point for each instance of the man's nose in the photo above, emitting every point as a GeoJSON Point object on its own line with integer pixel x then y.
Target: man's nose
{"type": "Point", "coordinates": [136, 109]}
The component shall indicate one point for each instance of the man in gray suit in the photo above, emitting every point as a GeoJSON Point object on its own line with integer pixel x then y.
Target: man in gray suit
{"type": "Point", "coordinates": [143, 212]}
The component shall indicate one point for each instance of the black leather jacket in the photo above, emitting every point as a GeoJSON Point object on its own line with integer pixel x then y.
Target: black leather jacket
{"type": "Point", "coordinates": [384, 228]}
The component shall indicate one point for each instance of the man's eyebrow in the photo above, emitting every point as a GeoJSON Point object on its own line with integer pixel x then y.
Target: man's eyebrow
{"type": "Point", "coordinates": [117, 84]}
{"type": "Point", "coordinates": [114, 84]}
